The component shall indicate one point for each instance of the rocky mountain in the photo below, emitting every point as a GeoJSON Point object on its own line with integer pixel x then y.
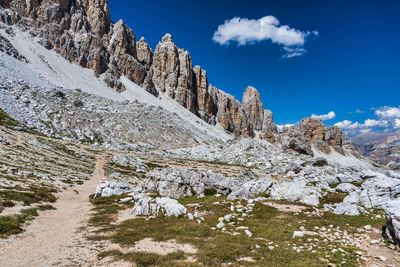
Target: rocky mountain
{"type": "Point", "coordinates": [82, 32]}
{"type": "Point", "coordinates": [383, 148]}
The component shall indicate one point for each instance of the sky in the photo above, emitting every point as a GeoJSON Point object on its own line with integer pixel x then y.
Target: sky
{"type": "Point", "coordinates": [337, 60]}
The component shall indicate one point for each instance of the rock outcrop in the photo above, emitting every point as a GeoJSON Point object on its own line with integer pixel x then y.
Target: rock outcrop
{"type": "Point", "coordinates": [313, 129]}
{"type": "Point", "coordinates": [392, 229]}
{"type": "Point", "coordinates": [173, 73]}
{"type": "Point", "coordinates": [206, 103]}
{"type": "Point", "coordinates": [253, 108]}
{"type": "Point", "coordinates": [269, 128]}
{"type": "Point", "coordinates": [177, 183]}
{"type": "Point", "coordinates": [322, 138]}
{"type": "Point", "coordinates": [294, 139]}
{"type": "Point", "coordinates": [333, 136]}
{"type": "Point", "coordinates": [145, 205]}
{"type": "Point", "coordinates": [232, 117]}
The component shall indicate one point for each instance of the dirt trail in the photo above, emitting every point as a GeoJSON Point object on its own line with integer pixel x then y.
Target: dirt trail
{"type": "Point", "coordinates": [49, 238]}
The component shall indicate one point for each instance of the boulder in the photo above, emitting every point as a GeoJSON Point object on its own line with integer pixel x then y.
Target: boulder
{"type": "Point", "coordinates": [320, 162]}
{"type": "Point", "coordinates": [145, 205]}
{"type": "Point", "coordinates": [109, 189]}
{"type": "Point", "coordinates": [251, 189]}
{"type": "Point", "coordinates": [293, 139]}
{"type": "Point", "coordinates": [377, 192]}
{"type": "Point", "coordinates": [296, 191]}
{"type": "Point", "coordinates": [392, 229]}
{"type": "Point", "coordinates": [345, 188]}
{"type": "Point", "coordinates": [347, 209]}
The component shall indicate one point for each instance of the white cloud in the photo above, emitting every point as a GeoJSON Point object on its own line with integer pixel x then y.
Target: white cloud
{"type": "Point", "coordinates": [245, 31]}
{"type": "Point", "coordinates": [280, 127]}
{"type": "Point", "coordinates": [294, 52]}
{"type": "Point", "coordinates": [331, 115]}
{"type": "Point", "coordinates": [367, 124]}
{"type": "Point", "coordinates": [397, 123]}
{"type": "Point", "coordinates": [344, 124]}
{"type": "Point", "coordinates": [375, 123]}
{"type": "Point", "coordinates": [388, 112]}
{"type": "Point", "coordinates": [364, 131]}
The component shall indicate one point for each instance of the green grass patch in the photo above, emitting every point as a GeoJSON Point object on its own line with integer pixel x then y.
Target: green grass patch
{"type": "Point", "coordinates": [13, 224]}
{"type": "Point", "coordinates": [210, 191]}
{"type": "Point", "coordinates": [6, 120]}
{"type": "Point", "coordinates": [37, 195]}
{"type": "Point", "coordinates": [332, 198]}
{"type": "Point", "coordinates": [146, 259]}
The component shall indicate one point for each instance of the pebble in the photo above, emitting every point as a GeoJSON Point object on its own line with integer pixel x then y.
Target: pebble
{"type": "Point", "coordinates": [248, 233]}
{"type": "Point", "coordinates": [382, 258]}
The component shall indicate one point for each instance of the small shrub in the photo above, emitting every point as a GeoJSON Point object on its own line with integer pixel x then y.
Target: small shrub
{"type": "Point", "coordinates": [210, 191]}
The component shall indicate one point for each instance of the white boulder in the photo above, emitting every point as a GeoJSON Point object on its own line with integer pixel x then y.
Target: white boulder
{"type": "Point", "coordinates": [392, 229]}
{"type": "Point", "coordinates": [145, 205]}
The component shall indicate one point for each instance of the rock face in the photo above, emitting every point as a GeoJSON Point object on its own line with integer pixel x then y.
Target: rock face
{"type": "Point", "coordinates": [173, 73]}
{"type": "Point", "coordinates": [82, 32]}
{"type": "Point", "coordinates": [392, 229]}
{"type": "Point", "coordinates": [269, 128]}
{"type": "Point", "coordinates": [206, 103]}
{"type": "Point", "coordinates": [253, 108]}
{"type": "Point", "coordinates": [322, 138]}
{"type": "Point", "coordinates": [294, 139]}
{"type": "Point", "coordinates": [313, 129]}
{"type": "Point", "coordinates": [232, 117]}
{"type": "Point", "coordinates": [333, 136]}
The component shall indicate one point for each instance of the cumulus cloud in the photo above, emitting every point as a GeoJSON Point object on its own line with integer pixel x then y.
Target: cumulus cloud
{"type": "Point", "coordinates": [246, 31]}
{"type": "Point", "coordinates": [397, 123]}
{"type": "Point", "coordinates": [280, 127]}
{"type": "Point", "coordinates": [344, 124]}
{"type": "Point", "coordinates": [331, 115]}
{"type": "Point", "coordinates": [367, 124]}
{"type": "Point", "coordinates": [375, 123]}
{"type": "Point", "coordinates": [364, 131]}
{"type": "Point", "coordinates": [388, 112]}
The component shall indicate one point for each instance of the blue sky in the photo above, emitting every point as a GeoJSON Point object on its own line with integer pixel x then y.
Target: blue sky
{"type": "Point", "coordinates": [351, 65]}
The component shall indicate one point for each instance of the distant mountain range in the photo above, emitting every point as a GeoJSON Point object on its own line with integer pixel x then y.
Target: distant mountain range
{"type": "Point", "coordinates": [383, 148]}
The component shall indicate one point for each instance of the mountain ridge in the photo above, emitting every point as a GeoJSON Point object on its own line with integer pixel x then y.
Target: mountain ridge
{"type": "Point", "coordinates": [82, 32]}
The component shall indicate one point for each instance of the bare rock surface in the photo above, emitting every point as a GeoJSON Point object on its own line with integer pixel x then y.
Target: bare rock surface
{"type": "Point", "coordinates": [294, 139]}
{"type": "Point", "coordinates": [392, 230]}
{"type": "Point", "coordinates": [145, 205]}
{"type": "Point", "coordinates": [313, 129]}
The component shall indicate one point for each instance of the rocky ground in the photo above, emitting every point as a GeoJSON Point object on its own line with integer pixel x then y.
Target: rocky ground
{"type": "Point", "coordinates": [213, 229]}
